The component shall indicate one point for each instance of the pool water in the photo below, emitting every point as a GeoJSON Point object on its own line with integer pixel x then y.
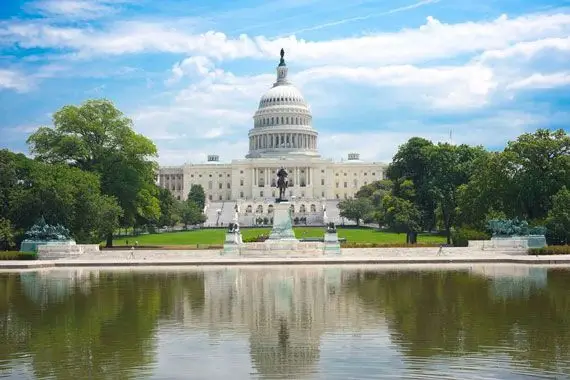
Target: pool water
{"type": "Point", "coordinates": [288, 322]}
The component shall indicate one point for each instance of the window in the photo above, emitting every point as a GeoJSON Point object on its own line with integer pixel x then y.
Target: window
{"type": "Point", "coordinates": [229, 185]}
{"type": "Point", "coordinates": [345, 174]}
{"type": "Point", "coordinates": [210, 197]}
{"type": "Point", "coordinates": [241, 172]}
{"type": "Point", "coordinates": [345, 185]}
{"type": "Point", "coordinates": [220, 176]}
{"type": "Point", "coordinates": [336, 174]}
{"type": "Point", "coordinates": [261, 193]}
{"type": "Point", "coordinates": [323, 194]}
{"type": "Point", "coordinates": [210, 176]}
{"type": "Point", "coordinates": [322, 181]}
{"type": "Point", "coordinates": [191, 175]}
{"type": "Point", "coordinates": [365, 173]}
{"type": "Point", "coordinates": [220, 186]}
{"type": "Point", "coordinates": [241, 182]}
{"type": "Point", "coordinates": [200, 175]}
{"type": "Point", "coordinates": [228, 176]}
{"type": "Point", "coordinates": [210, 185]}
{"type": "Point", "coordinates": [322, 170]}
{"type": "Point", "coordinates": [220, 197]}
{"type": "Point", "coordinates": [337, 185]}
{"type": "Point", "coordinates": [241, 194]}
{"type": "Point", "coordinates": [373, 173]}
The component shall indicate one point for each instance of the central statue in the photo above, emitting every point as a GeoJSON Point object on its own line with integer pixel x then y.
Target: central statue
{"type": "Point", "coordinates": [282, 183]}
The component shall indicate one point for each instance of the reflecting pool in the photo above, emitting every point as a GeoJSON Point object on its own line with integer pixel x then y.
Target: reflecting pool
{"type": "Point", "coordinates": [289, 322]}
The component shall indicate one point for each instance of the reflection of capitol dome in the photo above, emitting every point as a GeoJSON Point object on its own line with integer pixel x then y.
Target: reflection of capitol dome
{"type": "Point", "coordinates": [282, 123]}
{"type": "Point", "coordinates": [281, 358]}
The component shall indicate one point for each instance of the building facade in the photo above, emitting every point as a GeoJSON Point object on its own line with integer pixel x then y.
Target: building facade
{"type": "Point", "coordinates": [282, 136]}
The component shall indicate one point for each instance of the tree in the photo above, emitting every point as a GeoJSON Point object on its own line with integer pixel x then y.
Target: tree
{"type": "Point", "coordinates": [375, 192]}
{"type": "Point", "coordinates": [451, 166]}
{"type": "Point", "coordinates": [191, 214]}
{"type": "Point", "coordinates": [540, 162]}
{"type": "Point", "coordinates": [169, 215]}
{"type": "Point", "coordinates": [96, 137]}
{"type": "Point", "coordinates": [198, 196]}
{"type": "Point", "coordinates": [558, 221]}
{"type": "Point", "coordinates": [61, 194]}
{"type": "Point", "coordinates": [355, 209]}
{"type": "Point", "coordinates": [6, 234]}
{"type": "Point", "coordinates": [412, 162]}
{"type": "Point", "coordinates": [402, 216]}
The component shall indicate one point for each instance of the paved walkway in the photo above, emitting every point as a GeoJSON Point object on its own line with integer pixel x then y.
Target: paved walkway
{"type": "Point", "coordinates": [158, 258]}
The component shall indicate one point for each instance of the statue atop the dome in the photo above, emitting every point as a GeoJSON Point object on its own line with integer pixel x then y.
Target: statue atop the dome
{"type": "Point", "coordinates": [282, 183]}
{"type": "Point", "coordinates": [282, 61]}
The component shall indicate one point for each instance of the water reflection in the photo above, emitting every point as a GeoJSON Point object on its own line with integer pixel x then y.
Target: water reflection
{"type": "Point", "coordinates": [288, 322]}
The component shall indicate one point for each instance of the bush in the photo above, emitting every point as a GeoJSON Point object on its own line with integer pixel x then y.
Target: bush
{"type": "Point", "coordinates": [15, 255]}
{"type": "Point", "coordinates": [461, 236]}
{"type": "Point", "coordinates": [386, 245]}
{"type": "Point", "coordinates": [551, 250]}
{"type": "Point", "coordinates": [256, 239]}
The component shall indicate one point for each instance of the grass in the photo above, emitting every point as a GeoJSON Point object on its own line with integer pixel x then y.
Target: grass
{"type": "Point", "coordinates": [216, 236]}
{"type": "Point", "coordinates": [16, 255]}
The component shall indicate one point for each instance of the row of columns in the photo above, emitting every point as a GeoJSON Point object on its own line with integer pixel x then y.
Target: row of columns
{"type": "Point", "coordinates": [295, 175]}
{"type": "Point", "coordinates": [283, 140]}
{"type": "Point", "coordinates": [283, 120]}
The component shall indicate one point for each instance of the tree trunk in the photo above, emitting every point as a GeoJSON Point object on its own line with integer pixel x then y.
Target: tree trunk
{"type": "Point", "coordinates": [109, 240]}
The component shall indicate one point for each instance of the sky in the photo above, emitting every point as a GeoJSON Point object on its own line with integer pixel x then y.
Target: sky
{"type": "Point", "coordinates": [374, 72]}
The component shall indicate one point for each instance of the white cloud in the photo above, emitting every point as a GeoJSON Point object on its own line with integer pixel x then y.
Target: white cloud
{"type": "Point", "coordinates": [74, 9]}
{"type": "Point", "coordinates": [14, 80]}
{"type": "Point", "coordinates": [434, 40]}
{"type": "Point", "coordinates": [540, 81]}
{"type": "Point", "coordinates": [441, 87]}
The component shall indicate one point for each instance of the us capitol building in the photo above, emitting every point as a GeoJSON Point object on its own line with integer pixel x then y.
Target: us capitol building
{"type": "Point", "coordinates": [282, 136]}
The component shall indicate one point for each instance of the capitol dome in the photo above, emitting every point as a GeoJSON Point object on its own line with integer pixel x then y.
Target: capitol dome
{"type": "Point", "coordinates": [282, 124]}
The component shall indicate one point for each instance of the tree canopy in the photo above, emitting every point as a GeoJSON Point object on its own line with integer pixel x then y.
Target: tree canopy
{"type": "Point", "coordinates": [96, 137]}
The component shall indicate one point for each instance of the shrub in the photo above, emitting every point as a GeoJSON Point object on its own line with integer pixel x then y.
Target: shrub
{"type": "Point", "coordinates": [386, 245]}
{"type": "Point", "coordinates": [551, 250]}
{"type": "Point", "coordinates": [255, 239]}
{"type": "Point", "coordinates": [15, 255]}
{"type": "Point", "coordinates": [461, 236]}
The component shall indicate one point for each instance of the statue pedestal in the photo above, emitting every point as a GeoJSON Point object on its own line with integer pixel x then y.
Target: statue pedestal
{"type": "Point", "coordinates": [32, 245]}
{"type": "Point", "coordinates": [232, 243]}
{"type": "Point", "coordinates": [282, 223]}
{"type": "Point", "coordinates": [332, 246]}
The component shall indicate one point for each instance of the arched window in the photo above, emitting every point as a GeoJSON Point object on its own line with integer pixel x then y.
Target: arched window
{"type": "Point", "coordinates": [259, 209]}
{"type": "Point", "coordinates": [313, 208]}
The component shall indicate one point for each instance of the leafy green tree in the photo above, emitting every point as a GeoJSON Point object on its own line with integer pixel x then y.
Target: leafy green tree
{"type": "Point", "coordinates": [191, 213]}
{"type": "Point", "coordinates": [355, 209]}
{"type": "Point", "coordinates": [61, 194]}
{"type": "Point", "coordinates": [412, 162]}
{"type": "Point", "coordinates": [6, 234]}
{"type": "Point", "coordinates": [451, 166]}
{"type": "Point", "coordinates": [197, 195]}
{"type": "Point", "coordinates": [169, 214]}
{"type": "Point", "coordinates": [402, 216]}
{"type": "Point", "coordinates": [558, 221]}
{"type": "Point", "coordinates": [96, 137]}
{"type": "Point", "coordinates": [540, 164]}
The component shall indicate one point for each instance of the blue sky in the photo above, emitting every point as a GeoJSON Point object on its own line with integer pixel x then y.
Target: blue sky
{"type": "Point", "coordinates": [190, 73]}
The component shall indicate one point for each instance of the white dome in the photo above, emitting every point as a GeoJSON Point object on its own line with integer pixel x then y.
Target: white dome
{"type": "Point", "coordinates": [286, 94]}
{"type": "Point", "coordinates": [282, 124]}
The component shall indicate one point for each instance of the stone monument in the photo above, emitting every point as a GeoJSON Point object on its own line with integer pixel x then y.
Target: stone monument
{"type": "Point", "coordinates": [512, 234]}
{"type": "Point", "coordinates": [332, 245]}
{"type": "Point", "coordinates": [42, 233]}
{"type": "Point", "coordinates": [282, 222]}
{"type": "Point", "coordinates": [233, 236]}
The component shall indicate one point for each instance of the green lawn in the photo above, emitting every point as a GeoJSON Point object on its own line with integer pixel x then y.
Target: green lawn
{"type": "Point", "coordinates": [216, 236]}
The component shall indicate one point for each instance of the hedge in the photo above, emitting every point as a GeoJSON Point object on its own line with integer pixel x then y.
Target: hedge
{"type": "Point", "coordinates": [551, 250]}
{"type": "Point", "coordinates": [461, 236]}
{"type": "Point", "coordinates": [15, 255]}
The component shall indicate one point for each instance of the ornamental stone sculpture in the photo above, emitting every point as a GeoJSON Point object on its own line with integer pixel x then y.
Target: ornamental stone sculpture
{"type": "Point", "coordinates": [41, 231]}
{"type": "Point", "coordinates": [513, 227]}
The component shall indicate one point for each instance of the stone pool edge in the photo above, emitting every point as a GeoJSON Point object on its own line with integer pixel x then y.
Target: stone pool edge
{"type": "Point", "coordinates": [236, 261]}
